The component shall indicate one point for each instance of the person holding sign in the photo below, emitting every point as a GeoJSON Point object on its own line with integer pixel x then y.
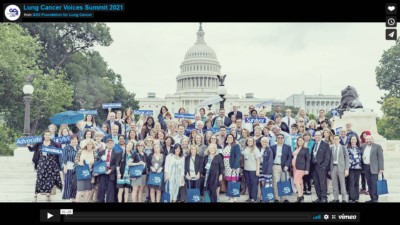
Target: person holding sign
{"type": "Point", "coordinates": [86, 155]}
{"type": "Point", "coordinates": [47, 165]}
{"type": "Point", "coordinates": [68, 159]}
{"type": "Point", "coordinates": [123, 180]}
{"type": "Point", "coordinates": [139, 183]}
{"type": "Point", "coordinates": [111, 122]}
{"type": "Point", "coordinates": [232, 155]}
{"type": "Point", "coordinates": [155, 163]}
{"type": "Point", "coordinates": [213, 168]}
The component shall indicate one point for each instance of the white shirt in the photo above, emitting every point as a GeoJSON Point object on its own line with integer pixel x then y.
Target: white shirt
{"type": "Point", "coordinates": [367, 154]}
{"type": "Point", "coordinates": [278, 154]}
{"type": "Point", "coordinates": [336, 149]}
{"type": "Point", "coordinates": [178, 138]}
{"type": "Point", "coordinates": [287, 119]}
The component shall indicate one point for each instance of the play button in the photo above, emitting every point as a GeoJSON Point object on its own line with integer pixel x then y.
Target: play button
{"type": "Point", "coordinates": [50, 215]}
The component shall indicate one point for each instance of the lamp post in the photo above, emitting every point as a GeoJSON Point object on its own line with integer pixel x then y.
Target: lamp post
{"type": "Point", "coordinates": [221, 90]}
{"type": "Point", "coordinates": [28, 91]}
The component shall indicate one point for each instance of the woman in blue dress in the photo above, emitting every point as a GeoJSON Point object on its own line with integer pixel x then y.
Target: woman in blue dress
{"type": "Point", "coordinates": [68, 159]}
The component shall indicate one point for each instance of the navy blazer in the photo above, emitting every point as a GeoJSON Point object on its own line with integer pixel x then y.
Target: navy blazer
{"type": "Point", "coordinates": [238, 115]}
{"type": "Point", "coordinates": [268, 161]}
{"type": "Point", "coordinates": [198, 163]}
{"type": "Point", "coordinates": [114, 160]}
{"type": "Point", "coordinates": [235, 155]}
{"type": "Point", "coordinates": [286, 158]}
{"type": "Point", "coordinates": [323, 158]}
{"type": "Point", "coordinates": [227, 121]}
{"type": "Point", "coordinates": [303, 159]}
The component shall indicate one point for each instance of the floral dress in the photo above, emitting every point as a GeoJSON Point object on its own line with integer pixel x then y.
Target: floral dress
{"type": "Point", "coordinates": [230, 174]}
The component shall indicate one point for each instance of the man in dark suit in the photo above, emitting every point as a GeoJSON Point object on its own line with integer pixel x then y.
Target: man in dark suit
{"type": "Point", "coordinates": [373, 165]}
{"type": "Point", "coordinates": [282, 155]}
{"type": "Point", "coordinates": [107, 182]}
{"type": "Point", "coordinates": [225, 120]}
{"type": "Point", "coordinates": [235, 112]}
{"type": "Point", "coordinates": [320, 161]}
{"type": "Point", "coordinates": [113, 122]}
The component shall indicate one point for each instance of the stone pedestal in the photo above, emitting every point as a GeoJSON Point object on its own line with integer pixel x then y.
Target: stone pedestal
{"type": "Point", "coordinates": [361, 120]}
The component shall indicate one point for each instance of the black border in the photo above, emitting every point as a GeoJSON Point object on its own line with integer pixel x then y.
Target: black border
{"type": "Point", "coordinates": [228, 11]}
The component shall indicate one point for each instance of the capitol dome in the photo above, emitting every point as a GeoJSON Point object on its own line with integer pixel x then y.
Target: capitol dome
{"type": "Point", "coordinates": [199, 68]}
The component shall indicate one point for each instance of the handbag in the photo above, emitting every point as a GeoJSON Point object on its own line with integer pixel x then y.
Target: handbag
{"type": "Point", "coordinates": [233, 188]}
{"type": "Point", "coordinates": [136, 171]}
{"type": "Point", "coordinates": [193, 194]}
{"type": "Point", "coordinates": [165, 198]}
{"type": "Point", "coordinates": [267, 193]}
{"type": "Point", "coordinates": [285, 187]}
{"type": "Point", "coordinates": [83, 172]}
{"type": "Point", "coordinates": [155, 179]}
{"type": "Point", "coordinates": [100, 167]}
{"type": "Point", "coordinates": [382, 187]}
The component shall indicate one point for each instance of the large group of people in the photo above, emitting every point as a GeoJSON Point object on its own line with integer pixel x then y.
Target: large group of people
{"type": "Point", "coordinates": [207, 154]}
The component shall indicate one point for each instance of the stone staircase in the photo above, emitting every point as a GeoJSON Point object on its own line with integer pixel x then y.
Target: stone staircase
{"type": "Point", "coordinates": [17, 180]}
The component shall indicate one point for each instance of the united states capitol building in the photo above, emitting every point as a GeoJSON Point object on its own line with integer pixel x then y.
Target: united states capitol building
{"type": "Point", "coordinates": [197, 81]}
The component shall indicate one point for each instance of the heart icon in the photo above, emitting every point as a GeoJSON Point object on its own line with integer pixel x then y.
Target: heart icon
{"type": "Point", "coordinates": [391, 8]}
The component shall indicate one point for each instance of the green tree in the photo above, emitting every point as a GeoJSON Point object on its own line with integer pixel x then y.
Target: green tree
{"type": "Point", "coordinates": [388, 72]}
{"type": "Point", "coordinates": [19, 54]}
{"type": "Point", "coordinates": [62, 40]}
{"type": "Point", "coordinates": [312, 116]}
{"type": "Point", "coordinates": [389, 124]}
{"type": "Point", "coordinates": [51, 96]}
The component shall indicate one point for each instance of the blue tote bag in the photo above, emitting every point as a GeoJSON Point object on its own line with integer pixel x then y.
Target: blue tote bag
{"type": "Point", "coordinates": [382, 187]}
{"type": "Point", "coordinates": [193, 194]}
{"type": "Point", "coordinates": [166, 196]}
{"type": "Point", "coordinates": [83, 172]}
{"type": "Point", "coordinates": [233, 189]}
{"type": "Point", "coordinates": [136, 171]}
{"type": "Point", "coordinates": [267, 194]}
{"type": "Point", "coordinates": [155, 179]}
{"type": "Point", "coordinates": [100, 167]}
{"type": "Point", "coordinates": [285, 187]}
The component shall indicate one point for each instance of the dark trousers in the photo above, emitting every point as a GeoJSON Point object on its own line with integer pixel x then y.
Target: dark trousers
{"type": "Point", "coordinates": [363, 181]}
{"type": "Point", "coordinates": [252, 181]}
{"type": "Point", "coordinates": [354, 184]}
{"type": "Point", "coordinates": [307, 183]}
{"type": "Point", "coordinates": [106, 186]}
{"type": "Point", "coordinates": [371, 181]}
{"type": "Point", "coordinates": [320, 182]}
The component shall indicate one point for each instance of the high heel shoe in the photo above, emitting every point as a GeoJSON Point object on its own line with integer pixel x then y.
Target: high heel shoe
{"type": "Point", "coordinates": [302, 198]}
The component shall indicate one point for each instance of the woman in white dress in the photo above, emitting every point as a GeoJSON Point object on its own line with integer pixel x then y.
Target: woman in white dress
{"type": "Point", "coordinates": [175, 171]}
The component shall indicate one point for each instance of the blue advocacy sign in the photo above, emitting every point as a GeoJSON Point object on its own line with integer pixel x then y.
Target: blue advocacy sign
{"type": "Point", "coordinates": [29, 140]}
{"type": "Point", "coordinates": [62, 139]}
{"type": "Point", "coordinates": [143, 112]}
{"type": "Point", "coordinates": [255, 120]}
{"type": "Point", "coordinates": [183, 116]}
{"type": "Point", "coordinates": [112, 105]}
{"type": "Point", "coordinates": [87, 112]}
{"type": "Point", "coordinates": [52, 150]}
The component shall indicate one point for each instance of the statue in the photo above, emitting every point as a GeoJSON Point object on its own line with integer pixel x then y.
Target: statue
{"type": "Point", "coordinates": [349, 100]}
{"type": "Point", "coordinates": [221, 79]}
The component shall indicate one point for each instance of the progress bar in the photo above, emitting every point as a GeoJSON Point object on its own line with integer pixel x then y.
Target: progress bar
{"type": "Point", "coordinates": [212, 217]}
